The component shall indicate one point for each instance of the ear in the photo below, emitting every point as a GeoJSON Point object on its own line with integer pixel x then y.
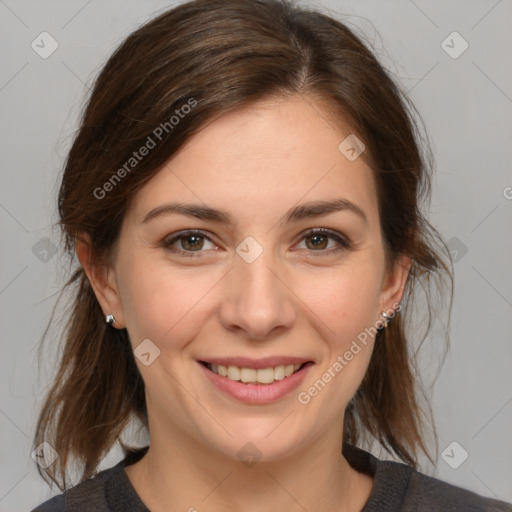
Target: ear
{"type": "Point", "coordinates": [102, 280]}
{"type": "Point", "coordinates": [393, 284]}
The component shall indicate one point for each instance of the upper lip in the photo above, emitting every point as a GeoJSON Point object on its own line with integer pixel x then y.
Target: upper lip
{"type": "Point", "coordinates": [247, 362]}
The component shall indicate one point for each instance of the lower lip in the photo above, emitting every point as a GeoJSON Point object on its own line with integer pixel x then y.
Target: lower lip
{"type": "Point", "coordinates": [257, 394]}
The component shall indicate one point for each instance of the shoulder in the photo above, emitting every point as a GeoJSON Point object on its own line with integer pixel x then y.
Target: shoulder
{"type": "Point", "coordinates": [85, 496]}
{"type": "Point", "coordinates": [398, 487]}
{"type": "Point", "coordinates": [424, 493]}
{"type": "Point", "coordinates": [430, 494]}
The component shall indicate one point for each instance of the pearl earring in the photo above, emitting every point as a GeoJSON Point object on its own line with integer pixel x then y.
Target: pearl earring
{"type": "Point", "coordinates": [386, 319]}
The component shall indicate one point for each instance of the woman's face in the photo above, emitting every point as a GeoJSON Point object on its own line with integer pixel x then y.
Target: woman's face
{"type": "Point", "coordinates": [258, 287]}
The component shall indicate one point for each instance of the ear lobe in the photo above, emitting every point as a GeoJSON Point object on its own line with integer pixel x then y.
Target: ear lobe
{"type": "Point", "coordinates": [102, 280]}
{"type": "Point", "coordinates": [395, 282]}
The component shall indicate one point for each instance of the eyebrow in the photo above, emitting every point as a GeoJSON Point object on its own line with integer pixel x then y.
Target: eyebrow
{"type": "Point", "coordinates": [311, 209]}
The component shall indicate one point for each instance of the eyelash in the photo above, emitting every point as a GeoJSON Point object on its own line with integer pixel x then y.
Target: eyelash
{"type": "Point", "coordinates": [345, 243]}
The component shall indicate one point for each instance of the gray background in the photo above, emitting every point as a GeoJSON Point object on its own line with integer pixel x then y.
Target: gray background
{"type": "Point", "coordinates": [466, 103]}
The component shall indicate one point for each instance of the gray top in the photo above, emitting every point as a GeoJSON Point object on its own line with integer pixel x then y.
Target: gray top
{"type": "Point", "coordinates": [396, 488]}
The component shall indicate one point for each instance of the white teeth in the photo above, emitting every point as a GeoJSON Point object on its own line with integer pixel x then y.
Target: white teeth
{"type": "Point", "coordinates": [279, 372]}
{"type": "Point", "coordinates": [233, 372]}
{"type": "Point", "coordinates": [247, 374]}
{"type": "Point", "coordinates": [251, 375]}
{"type": "Point", "coordinates": [265, 375]}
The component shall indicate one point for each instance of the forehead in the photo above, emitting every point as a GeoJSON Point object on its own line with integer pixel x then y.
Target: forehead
{"type": "Point", "coordinates": [260, 160]}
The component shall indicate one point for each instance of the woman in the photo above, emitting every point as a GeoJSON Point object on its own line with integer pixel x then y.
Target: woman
{"type": "Point", "coordinates": [243, 198]}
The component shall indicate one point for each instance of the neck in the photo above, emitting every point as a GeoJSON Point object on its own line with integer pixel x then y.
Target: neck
{"type": "Point", "coordinates": [188, 476]}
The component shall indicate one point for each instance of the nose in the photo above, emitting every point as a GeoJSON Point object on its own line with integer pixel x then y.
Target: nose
{"type": "Point", "coordinates": [257, 303]}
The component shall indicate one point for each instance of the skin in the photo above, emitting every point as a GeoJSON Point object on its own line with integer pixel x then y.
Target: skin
{"type": "Point", "coordinates": [294, 299]}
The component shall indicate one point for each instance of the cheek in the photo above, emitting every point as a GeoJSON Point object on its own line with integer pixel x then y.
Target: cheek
{"type": "Point", "coordinates": [169, 305]}
{"type": "Point", "coordinates": [158, 300]}
{"type": "Point", "coordinates": [344, 299]}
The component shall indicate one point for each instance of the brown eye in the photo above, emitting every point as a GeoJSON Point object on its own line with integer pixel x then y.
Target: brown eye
{"type": "Point", "coordinates": [317, 240]}
{"type": "Point", "coordinates": [190, 242]}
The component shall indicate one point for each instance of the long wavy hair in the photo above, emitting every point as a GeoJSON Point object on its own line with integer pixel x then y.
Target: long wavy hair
{"type": "Point", "coordinates": [226, 54]}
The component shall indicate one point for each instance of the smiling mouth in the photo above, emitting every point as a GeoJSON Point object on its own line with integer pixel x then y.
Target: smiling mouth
{"type": "Point", "coordinates": [260, 376]}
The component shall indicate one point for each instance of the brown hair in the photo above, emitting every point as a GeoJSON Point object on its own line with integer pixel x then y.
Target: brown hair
{"type": "Point", "coordinates": [219, 55]}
